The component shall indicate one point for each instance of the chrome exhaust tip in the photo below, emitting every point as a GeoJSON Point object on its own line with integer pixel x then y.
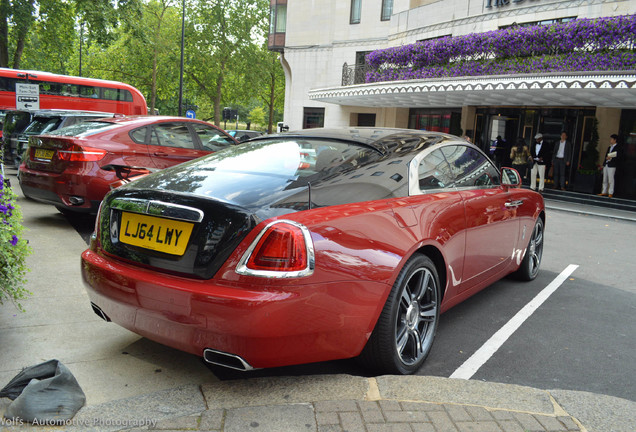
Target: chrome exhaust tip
{"type": "Point", "coordinates": [99, 312]}
{"type": "Point", "coordinates": [231, 361]}
{"type": "Point", "coordinates": [76, 200]}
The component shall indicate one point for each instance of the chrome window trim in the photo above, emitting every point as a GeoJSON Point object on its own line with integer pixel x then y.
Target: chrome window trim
{"type": "Point", "coordinates": [158, 209]}
{"type": "Point", "coordinates": [242, 268]}
{"type": "Point", "coordinates": [413, 171]}
{"type": "Point", "coordinates": [414, 175]}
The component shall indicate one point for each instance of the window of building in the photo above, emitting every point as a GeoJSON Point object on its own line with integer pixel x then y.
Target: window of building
{"type": "Point", "coordinates": [366, 119]}
{"type": "Point", "coordinates": [356, 7]}
{"type": "Point", "coordinates": [278, 19]}
{"type": "Point", "coordinates": [387, 10]}
{"type": "Point", "coordinates": [313, 118]}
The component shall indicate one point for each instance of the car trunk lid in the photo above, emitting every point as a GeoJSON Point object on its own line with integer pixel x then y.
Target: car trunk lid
{"type": "Point", "coordinates": [55, 154]}
{"type": "Point", "coordinates": [176, 233]}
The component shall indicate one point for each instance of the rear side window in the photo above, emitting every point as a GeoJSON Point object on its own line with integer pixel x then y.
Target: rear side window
{"type": "Point", "coordinates": [174, 135]}
{"type": "Point", "coordinates": [139, 135]}
{"type": "Point", "coordinates": [434, 172]}
{"type": "Point", "coordinates": [211, 139]}
{"type": "Point", "coordinates": [470, 167]}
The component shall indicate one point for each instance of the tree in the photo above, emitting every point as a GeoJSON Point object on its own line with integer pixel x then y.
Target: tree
{"type": "Point", "coordinates": [145, 55]}
{"type": "Point", "coordinates": [222, 38]}
{"type": "Point", "coordinates": [18, 19]}
{"type": "Point", "coordinates": [272, 87]}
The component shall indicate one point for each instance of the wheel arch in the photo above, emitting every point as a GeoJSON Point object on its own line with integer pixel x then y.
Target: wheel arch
{"type": "Point", "coordinates": [440, 265]}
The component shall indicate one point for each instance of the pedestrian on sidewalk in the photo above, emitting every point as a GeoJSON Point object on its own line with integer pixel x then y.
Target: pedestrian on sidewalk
{"type": "Point", "coordinates": [609, 166]}
{"type": "Point", "coordinates": [561, 160]}
{"type": "Point", "coordinates": [520, 157]}
{"type": "Point", "coordinates": [540, 152]}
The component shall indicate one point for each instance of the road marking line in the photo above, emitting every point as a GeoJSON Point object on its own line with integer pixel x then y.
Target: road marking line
{"type": "Point", "coordinates": [488, 349]}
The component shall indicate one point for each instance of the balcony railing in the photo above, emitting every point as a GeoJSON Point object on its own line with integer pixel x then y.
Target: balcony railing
{"type": "Point", "coordinates": [354, 74]}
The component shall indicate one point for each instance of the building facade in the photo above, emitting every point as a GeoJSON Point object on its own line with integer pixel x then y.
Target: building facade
{"type": "Point", "coordinates": [324, 48]}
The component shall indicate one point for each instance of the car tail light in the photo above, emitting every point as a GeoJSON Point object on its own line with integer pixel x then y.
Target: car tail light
{"type": "Point", "coordinates": [76, 153]}
{"type": "Point", "coordinates": [282, 249]}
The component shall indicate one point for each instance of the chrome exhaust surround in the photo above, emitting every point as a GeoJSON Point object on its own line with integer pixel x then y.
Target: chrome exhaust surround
{"type": "Point", "coordinates": [231, 361]}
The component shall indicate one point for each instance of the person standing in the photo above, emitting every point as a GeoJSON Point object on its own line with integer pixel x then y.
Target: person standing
{"type": "Point", "coordinates": [560, 160]}
{"type": "Point", "coordinates": [609, 166]}
{"type": "Point", "coordinates": [501, 151]}
{"type": "Point", "coordinates": [540, 152]}
{"type": "Point", "coordinates": [519, 155]}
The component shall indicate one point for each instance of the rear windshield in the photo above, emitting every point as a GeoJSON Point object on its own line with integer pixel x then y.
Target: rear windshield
{"type": "Point", "coordinates": [292, 157]}
{"type": "Point", "coordinates": [42, 125]}
{"type": "Point", "coordinates": [83, 129]}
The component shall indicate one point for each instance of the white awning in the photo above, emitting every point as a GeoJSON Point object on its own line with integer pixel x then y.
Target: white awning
{"type": "Point", "coordinates": [602, 89]}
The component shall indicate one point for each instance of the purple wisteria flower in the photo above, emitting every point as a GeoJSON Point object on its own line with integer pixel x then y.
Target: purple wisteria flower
{"type": "Point", "coordinates": [579, 45]}
{"type": "Point", "coordinates": [14, 240]}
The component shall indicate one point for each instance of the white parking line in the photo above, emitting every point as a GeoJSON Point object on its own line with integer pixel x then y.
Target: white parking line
{"type": "Point", "coordinates": [488, 349]}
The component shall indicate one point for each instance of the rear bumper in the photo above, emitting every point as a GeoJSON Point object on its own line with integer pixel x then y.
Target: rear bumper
{"type": "Point", "coordinates": [267, 327]}
{"type": "Point", "coordinates": [62, 190]}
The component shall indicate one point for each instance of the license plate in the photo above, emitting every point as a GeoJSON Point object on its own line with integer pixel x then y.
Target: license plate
{"type": "Point", "coordinates": [44, 154]}
{"type": "Point", "coordinates": [159, 234]}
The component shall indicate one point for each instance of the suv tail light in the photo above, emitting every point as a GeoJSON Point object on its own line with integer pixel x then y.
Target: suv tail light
{"type": "Point", "coordinates": [283, 249]}
{"type": "Point", "coordinates": [76, 153]}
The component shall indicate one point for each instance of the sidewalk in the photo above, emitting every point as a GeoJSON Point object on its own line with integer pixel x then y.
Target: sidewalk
{"type": "Point", "coordinates": [134, 384]}
{"type": "Point", "coordinates": [327, 403]}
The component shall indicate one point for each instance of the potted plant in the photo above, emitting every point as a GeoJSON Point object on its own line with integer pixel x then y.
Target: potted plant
{"type": "Point", "coordinates": [587, 172]}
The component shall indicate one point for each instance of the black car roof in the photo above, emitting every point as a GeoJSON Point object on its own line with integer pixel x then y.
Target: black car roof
{"type": "Point", "coordinates": [368, 136]}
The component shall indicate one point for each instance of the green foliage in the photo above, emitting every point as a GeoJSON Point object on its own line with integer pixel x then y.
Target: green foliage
{"type": "Point", "coordinates": [257, 115]}
{"type": "Point", "coordinates": [139, 42]}
{"type": "Point", "coordinates": [590, 155]}
{"type": "Point", "coordinates": [13, 249]}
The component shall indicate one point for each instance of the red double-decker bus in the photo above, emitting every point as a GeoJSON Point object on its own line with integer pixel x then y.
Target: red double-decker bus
{"type": "Point", "coordinates": [69, 93]}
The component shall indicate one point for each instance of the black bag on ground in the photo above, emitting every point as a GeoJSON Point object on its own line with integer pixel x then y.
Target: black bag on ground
{"type": "Point", "coordinates": [47, 392]}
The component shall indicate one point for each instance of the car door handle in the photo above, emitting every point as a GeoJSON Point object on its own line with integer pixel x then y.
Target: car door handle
{"type": "Point", "coordinates": [514, 204]}
{"type": "Point", "coordinates": [161, 154]}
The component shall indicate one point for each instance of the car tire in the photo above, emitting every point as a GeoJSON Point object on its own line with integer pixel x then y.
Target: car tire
{"type": "Point", "coordinates": [529, 268]}
{"type": "Point", "coordinates": [405, 330]}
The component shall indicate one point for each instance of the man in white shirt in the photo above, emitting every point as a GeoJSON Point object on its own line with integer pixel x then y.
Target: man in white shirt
{"type": "Point", "coordinates": [561, 160]}
{"type": "Point", "coordinates": [609, 167]}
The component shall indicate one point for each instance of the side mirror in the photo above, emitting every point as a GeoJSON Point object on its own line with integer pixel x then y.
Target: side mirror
{"type": "Point", "coordinates": [510, 177]}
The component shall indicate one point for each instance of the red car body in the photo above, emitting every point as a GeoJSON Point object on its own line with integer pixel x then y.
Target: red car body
{"type": "Point", "coordinates": [66, 168]}
{"type": "Point", "coordinates": [235, 311]}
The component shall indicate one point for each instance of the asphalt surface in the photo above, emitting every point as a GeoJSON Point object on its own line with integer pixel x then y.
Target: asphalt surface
{"type": "Point", "coordinates": [134, 384]}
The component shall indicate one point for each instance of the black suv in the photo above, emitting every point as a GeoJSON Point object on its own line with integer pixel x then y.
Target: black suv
{"type": "Point", "coordinates": [20, 125]}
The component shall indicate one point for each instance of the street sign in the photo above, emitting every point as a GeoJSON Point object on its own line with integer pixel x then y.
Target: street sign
{"type": "Point", "coordinates": [27, 97]}
{"type": "Point", "coordinates": [190, 114]}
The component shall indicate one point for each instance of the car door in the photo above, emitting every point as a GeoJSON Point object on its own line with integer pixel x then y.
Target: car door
{"type": "Point", "coordinates": [492, 226]}
{"type": "Point", "coordinates": [172, 143]}
{"type": "Point", "coordinates": [439, 210]}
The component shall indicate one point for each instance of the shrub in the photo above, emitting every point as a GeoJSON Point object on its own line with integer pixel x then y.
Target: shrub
{"type": "Point", "coordinates": [13, 248]}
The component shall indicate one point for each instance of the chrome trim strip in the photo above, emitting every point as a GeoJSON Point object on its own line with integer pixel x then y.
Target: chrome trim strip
{"type": "Point", "coordinates": [242, 268]}
{"type": "Point", "coordinates": [158, 208]}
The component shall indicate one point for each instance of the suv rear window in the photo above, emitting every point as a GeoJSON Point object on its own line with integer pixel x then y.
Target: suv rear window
{"type": "Point", "coordinates": [84, 128]}
{"type": "Point", "coordinates": [41, 125]}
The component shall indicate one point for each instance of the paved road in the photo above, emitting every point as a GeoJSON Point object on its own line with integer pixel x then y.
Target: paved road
{"type": "Point", "coordinates": [581, 338]}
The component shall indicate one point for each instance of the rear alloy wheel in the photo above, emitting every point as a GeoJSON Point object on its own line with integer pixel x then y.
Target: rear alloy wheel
{"type": "Point", "coordinates": [404, 333]}
{"type": "Point", "coordinates": [529, 268]}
